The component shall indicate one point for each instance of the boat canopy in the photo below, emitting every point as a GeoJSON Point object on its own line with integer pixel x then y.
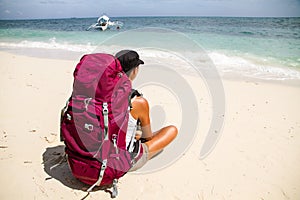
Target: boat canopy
{"type": "Point", "coordinates": [102, 19]}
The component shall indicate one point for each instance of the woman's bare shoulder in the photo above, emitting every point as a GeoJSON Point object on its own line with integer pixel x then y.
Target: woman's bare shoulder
{"type": "Point", "coordinates": [140, 103]}
{"type": "Point", "coordinates": [141, 100]}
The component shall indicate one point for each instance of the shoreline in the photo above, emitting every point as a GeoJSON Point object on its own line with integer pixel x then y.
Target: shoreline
{"type": "Point", "coordinates": [74, 56]}
{"type": "Point", "coordinates": [53, 54]}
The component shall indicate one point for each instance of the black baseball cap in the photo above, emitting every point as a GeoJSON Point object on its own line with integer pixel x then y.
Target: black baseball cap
{"type": "Point", "coordinates": [129, 59]}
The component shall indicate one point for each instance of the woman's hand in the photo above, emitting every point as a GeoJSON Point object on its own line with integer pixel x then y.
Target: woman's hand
{"type": "Point", "coordinates": [138, 134]}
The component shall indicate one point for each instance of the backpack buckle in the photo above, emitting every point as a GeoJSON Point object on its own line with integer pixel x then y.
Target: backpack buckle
{"type": "Point", "coordinates": [105, 108]}
{"type": "Point", "coordinates": [114, 193]}
{"type": "Point", "coordinates": [89, 127]}
{"type": "Point", "coordinates": [69, 117]}
{"type": "Point", "coordinates": [86, 103]}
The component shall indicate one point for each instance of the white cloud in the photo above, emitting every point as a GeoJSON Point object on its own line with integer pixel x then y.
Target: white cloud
{"type": "Point", "coordinates": [7, 12]}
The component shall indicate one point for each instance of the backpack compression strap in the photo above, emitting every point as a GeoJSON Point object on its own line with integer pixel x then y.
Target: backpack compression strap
{"type": "Point", "coordinates": [104, 162]}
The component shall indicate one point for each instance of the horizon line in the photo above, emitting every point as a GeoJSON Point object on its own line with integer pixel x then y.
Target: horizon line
{"type": "Point", "coordinates": [137, 16]}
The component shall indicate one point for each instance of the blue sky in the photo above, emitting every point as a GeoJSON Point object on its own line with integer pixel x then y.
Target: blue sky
{"type": "Point", "coordinates": [22, 9]}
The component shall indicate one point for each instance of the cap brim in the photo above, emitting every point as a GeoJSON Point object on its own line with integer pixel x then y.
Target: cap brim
{"type": "Point", "coordinates": [140, 62]}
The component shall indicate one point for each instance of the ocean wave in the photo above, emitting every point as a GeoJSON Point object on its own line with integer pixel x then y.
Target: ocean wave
{"type": "Point", "coordinates": [247, 33]}
{"type": "Point", "coordinates": [225, 63]}
{"type": "Point", "coordinates": [253, 67]}
{"type": "Point", "coordinates": [51, 44]}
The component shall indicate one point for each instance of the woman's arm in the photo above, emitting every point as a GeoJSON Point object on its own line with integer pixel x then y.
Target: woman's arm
{"type": "Point", "coordinates": [140, 110]}
{"type": "Point", "coordinates": [155, 141]}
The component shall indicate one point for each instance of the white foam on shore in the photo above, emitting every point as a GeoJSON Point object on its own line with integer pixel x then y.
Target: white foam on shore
{"type": "Point", "coordinates": [252, 68]}
{"type": "Point", "coordinates": [51, 45]}
{"type": "Point", "coordinates": [224, 63]}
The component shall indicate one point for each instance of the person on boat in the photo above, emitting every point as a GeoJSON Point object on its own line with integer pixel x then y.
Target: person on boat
{"type": "Point", "coordinates": [151, 142]}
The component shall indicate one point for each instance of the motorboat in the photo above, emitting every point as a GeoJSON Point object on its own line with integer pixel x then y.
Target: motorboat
{"type": "Point", "coordinates": [104, 23]}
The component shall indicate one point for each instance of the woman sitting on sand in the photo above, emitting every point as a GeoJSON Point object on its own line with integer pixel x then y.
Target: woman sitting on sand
{"type": "Point", "coordinates": [152, 143]}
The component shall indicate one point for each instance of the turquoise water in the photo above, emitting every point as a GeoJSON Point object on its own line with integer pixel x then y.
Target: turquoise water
{"type": "Point", "coordinates": [231, 43]}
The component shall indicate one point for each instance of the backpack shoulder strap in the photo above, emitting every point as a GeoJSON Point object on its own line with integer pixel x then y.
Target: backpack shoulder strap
{"type": "Point", "coordinates": [134, 93]}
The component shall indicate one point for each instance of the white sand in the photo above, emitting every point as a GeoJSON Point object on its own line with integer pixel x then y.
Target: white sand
{"type": "Point", "coordinates": [257, 156]}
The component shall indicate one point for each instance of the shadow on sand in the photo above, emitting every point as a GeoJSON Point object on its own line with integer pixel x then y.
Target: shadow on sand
{"type": "Point", "coordinates": [56, 166]}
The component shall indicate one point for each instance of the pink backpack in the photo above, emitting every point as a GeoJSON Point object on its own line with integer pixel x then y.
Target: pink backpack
{"type": "Point", "coordinates": [94, 122]}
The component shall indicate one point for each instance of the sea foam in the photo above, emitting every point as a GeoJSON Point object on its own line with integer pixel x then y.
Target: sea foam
{"type": "Point", "coordinates": [243, 66]}
{"type": "Point", "coordinates": [51, 44]}
{"type": "Point", "coordinates": [251, 67]}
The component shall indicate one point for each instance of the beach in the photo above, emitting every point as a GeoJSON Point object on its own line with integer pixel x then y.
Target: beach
{"type": "Point", "coordinates": [256, 157]}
